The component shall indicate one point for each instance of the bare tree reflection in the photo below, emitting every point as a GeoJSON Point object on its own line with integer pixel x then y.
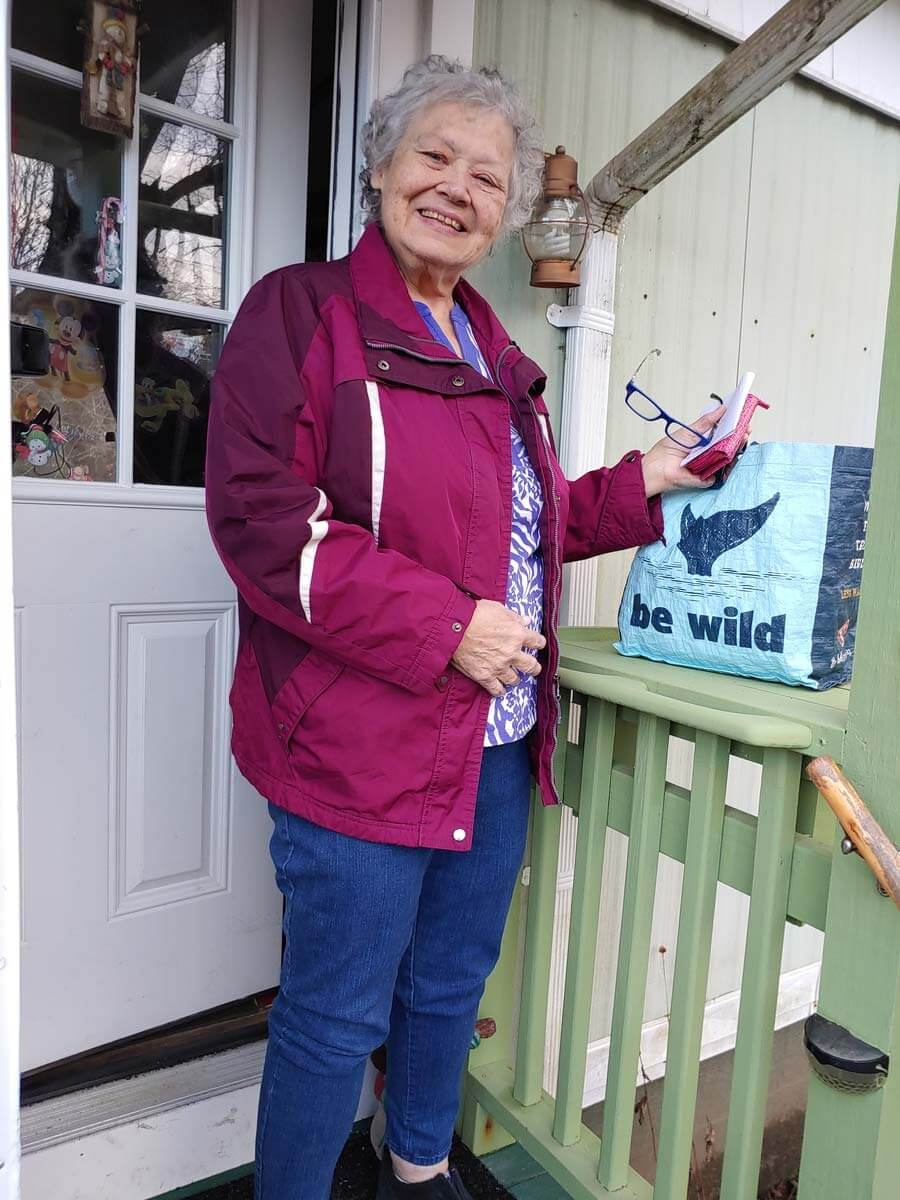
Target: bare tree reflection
{"type": "Point", "coordinates": [202, 87]}
{"type": "Point", "coordinates": [58, 170]}
{"type": "Point", "coordinates": [32, 197]}
{"type": "Point", "coordinates": [182, 207]}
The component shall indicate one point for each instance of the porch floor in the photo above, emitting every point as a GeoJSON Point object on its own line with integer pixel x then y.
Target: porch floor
{"type": "Point", "coordinates": [521, 1175]}
{"type": "Point", "coordinates": [512, 1168]}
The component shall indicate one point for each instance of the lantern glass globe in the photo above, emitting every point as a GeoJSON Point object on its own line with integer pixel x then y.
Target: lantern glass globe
{"type": "Point", "coordinates": [557, 230]}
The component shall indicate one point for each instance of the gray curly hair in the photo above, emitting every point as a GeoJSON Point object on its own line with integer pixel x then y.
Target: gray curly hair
{"type": "Point", "coordinates": [436, 80]}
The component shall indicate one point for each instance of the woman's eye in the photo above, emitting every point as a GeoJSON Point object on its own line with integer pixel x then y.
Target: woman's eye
{"type": "Point", "coordinates": [434, 156]}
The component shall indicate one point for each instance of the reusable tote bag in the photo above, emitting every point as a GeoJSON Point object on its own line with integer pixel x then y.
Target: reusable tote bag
{"type": "Point", "coordinates": [758, 576]}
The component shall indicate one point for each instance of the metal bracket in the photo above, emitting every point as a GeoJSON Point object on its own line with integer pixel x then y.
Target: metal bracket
{"type": "Point", "coordinates": [847, 847]}
{"type": "Point", "coordinates": [581, 316]}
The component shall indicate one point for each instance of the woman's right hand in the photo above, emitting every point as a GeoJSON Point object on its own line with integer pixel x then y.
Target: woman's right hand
{"type": "Point", "coordinates": [493, 648]}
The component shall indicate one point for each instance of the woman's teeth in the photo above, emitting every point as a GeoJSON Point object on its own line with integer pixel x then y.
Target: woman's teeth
{"type": "Point", "coordinates": [436, 216]}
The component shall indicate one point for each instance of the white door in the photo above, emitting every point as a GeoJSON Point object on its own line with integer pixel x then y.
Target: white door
{"type": "Point", "coordinates": [147, 890]}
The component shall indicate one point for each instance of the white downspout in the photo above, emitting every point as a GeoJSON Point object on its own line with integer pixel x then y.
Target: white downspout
{"type": "Point", "coordinates": [585, 400]}
{"type": "Point", "coordinates": [590, 322]}
{"type": "Point", "coordinates": [9, 789]}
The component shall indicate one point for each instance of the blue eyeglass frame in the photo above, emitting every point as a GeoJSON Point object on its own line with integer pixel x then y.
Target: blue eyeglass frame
{"type": "Point", "coordinates": [702, 439]}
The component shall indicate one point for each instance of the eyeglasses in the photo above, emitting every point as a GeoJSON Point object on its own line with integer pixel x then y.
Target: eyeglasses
{"type": "Point", "coordinates": [647, 409]}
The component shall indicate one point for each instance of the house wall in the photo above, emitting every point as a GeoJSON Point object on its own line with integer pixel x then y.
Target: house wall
{"type": "Point", "coordinates": [282, 134]}
{"type": "Point", "coordinates": [863, 63]}
{"type": "Point", "coordinates": [410, 29]}
{"type": "Point", "coordinates": [769, 251]}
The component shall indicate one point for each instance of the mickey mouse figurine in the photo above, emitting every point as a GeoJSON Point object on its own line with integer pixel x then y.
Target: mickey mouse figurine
{"type": "Point", "coordinates": [69, 329]}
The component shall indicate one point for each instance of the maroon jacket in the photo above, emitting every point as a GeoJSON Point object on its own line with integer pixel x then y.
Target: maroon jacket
{"type": "Point", "coordinates": [358, 488]}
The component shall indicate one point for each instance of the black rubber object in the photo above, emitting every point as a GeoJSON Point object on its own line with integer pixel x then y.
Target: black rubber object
{"type": "Point", "coordinates": [834, 1046]}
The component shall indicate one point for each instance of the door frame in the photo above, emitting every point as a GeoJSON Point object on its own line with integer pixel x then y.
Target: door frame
{"type": "Point", "coordinates": [357, 50]}
{"type": "Point", "coordinates": [10, 915]}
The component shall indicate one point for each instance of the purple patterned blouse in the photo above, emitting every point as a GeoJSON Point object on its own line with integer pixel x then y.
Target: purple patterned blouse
{"type": "Point", "coordinates": [511, 715]}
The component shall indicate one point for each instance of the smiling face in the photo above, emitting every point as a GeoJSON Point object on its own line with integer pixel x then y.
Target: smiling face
{"type": "Point", "coordinates": [443, 192]}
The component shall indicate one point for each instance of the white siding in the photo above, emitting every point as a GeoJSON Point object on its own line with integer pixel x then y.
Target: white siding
{"type": "Point", "coordinates": [769, 251]}
{"type": "Point", "coordinates": [862, 64]}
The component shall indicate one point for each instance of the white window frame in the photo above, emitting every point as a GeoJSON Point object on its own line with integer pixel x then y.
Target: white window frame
{"type": "Point", "coordinates": [237, 263]}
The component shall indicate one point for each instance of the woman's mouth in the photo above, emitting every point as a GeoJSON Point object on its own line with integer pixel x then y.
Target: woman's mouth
{"type": "Point", "coordinates": [445, 222]}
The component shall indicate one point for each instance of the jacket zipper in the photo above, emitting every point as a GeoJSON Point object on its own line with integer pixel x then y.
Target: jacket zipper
{"type": "Point", "coordinates": [461, 362]}
{"type": "Point", "coordinates": [556, 710]}
{"type": "Point", "coordinates": [554, 605]}
{"type": "Point", "coordinates": [553, 690]}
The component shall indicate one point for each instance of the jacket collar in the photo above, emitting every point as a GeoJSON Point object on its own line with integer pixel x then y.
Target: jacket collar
{"type": "Point", "coordinates": [386, 313]}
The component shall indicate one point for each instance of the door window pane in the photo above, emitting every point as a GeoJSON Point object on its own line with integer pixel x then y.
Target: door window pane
{"type": "Point", "coordinates": [174, 360]}
{"type": "Point", "coordinates": [60, 175]}
{"type": "Point", "coordinates": [50, 30]}
{"type": "Point", "coordinates": [182, 212]}
{"type": "Point", "coordinates": [64, 423]}
{"type": "Point", "coordinates": [186, 55]}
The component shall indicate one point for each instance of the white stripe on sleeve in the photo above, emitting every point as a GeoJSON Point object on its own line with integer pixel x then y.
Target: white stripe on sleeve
{"type": "Point", "coordinates": [378, 453]}
{"type": "Point", "coordinates": [545, 428]}
{"type": "Point", "coordinates": [317, 531]}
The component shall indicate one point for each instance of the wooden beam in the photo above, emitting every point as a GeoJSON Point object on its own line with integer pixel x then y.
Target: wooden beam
{"type": "Point", "coordinates": [776, 51]}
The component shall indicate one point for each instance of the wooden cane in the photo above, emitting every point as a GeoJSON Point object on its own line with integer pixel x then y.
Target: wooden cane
{"type": "Point", "coordinates": [867, 836]}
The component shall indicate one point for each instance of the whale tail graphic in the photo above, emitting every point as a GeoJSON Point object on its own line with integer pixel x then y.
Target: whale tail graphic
{"type": "Point", "coordinates": [704, 539]}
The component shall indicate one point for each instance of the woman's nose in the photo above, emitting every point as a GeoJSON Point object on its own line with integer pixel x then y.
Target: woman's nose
{"type": "Point", "coordinates": [453, 185]}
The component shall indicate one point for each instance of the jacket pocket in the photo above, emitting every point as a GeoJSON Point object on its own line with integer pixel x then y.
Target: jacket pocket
{"type": "Point", "coordinates": [306, 683]}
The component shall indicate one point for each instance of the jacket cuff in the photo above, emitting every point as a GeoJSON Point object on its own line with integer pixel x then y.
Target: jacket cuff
{"type": "Point", "coordinates": [628, 518]}
{"type": "Point", "coordinates": [432, 664]}
{"type": "Point", "coordinates": [655, 512]}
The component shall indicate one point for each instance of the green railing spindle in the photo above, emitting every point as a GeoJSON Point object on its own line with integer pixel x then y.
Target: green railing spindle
{"type": "Point", "coordinates": [545, 828]}
{"type": "Point", "coordinates": [614, 777]}
{"type": "Point", "coordinates": [695, 927]}
{"type": "Point", "coordinates": [759, 981]}
{"type": "Point", "coordinates": [634, 949]}
{"type": "Point", "coordinates": [599, 737]}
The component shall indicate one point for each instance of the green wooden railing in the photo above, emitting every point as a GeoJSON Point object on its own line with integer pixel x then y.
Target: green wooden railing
{"type": "Point", "coordinates": [614, 777]}
{"type": "Point", "coordinates": [787, 859]}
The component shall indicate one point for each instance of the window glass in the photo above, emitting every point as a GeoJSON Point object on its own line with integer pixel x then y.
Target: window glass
{"type": "Point", "coordinates": [61, 177]}
{"type": "Point", "coordinates": [186, 55]}
{"type": "Point", "coordinates": [174, 361]}
{"type": "Point", "coordinates": [50, 30]}
{"type": "Point", "coordinates": [184, 173]}
{"type": "Point", "coordinates": [64, 422]}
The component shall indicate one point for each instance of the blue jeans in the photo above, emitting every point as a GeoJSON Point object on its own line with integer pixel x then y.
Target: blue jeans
{"type": "Point", "coordinates": [382, 943]}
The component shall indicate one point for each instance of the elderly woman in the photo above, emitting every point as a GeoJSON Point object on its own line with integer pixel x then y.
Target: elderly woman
{"type": "Point", "coordinates": [383, 489]}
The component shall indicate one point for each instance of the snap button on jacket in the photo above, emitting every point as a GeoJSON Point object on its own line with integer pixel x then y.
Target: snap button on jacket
{"type": "Point", "coordinates": [358, 489]}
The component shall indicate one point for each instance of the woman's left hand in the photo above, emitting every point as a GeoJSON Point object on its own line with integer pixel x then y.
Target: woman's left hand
{"type": "Point", "coordinates": [661, 464]}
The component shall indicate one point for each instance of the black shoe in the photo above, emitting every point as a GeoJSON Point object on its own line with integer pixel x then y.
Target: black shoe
{"type": "Point", "coordinates": [441, 1187]}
